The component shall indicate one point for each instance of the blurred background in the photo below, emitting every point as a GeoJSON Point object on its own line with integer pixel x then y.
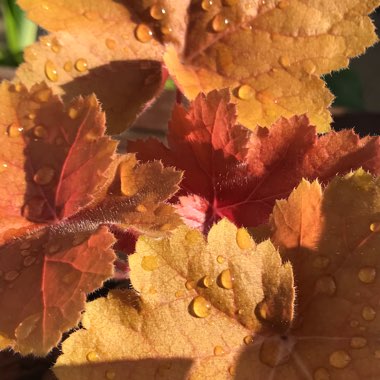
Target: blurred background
{"type": "Point", "coordinates": [357, 89]}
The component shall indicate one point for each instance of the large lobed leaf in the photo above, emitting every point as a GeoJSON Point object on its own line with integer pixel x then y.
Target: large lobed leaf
{"type": "Point", "coordinates": [236, 173]}
{"type": "Point", "coordinates": [330, 237]}
{"type": "Point", "coordinates": [196, 305]}
{"type": "Point", "coordinates": [62, 183]}
{"type": "Point", "coordinates": [270, 53]}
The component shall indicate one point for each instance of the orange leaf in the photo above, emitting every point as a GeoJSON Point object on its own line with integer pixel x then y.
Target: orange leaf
{"type": "Point", "coordinates": [65, 182]}
{"type": "Point", "coordinates": [197, 303]}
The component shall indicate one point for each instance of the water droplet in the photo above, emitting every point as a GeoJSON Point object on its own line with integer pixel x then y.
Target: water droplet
{"type": "Point", "coordinates": [3, 167]}
{"type": "Point", "coordinates": [284, 61]}
{"type": "Point", "coordinates": [43, 95]}
{"type": "Point", "coordinates": [368, 313]}
{"type": "Point", "coordinates": [31, 115]}
{"type": "Point", "coordinates": [29, 260]}
{"type": "Point", "coordinates": [27, 326]}
{"type": "Point", "coordinates": [225, 279]}
{"type": "Point", "coordinates": [219, 23]}
{"type": "Point", "coordinates": [40, 132]}
{"type": "Point", "coordinates": [26, 244]}
{"type": "Point", "coordinates": [55, 46]}
{"type": "Point", "coordinates": [325, 285]}
{"type": "Point", "coordinates": [14, 130]}
{"type": "Point", "coordinates": [166, 30]}
{"type": "Point", "coordinates": [149, 263]}
{"type": "Point", "coordinates": [358, 342]}
{"type": "Point", "coordinates": [44, 175]}
{"type": "Point", "coordinates": [110, 375]}
{"type": "Point", "coordinates": [339, 359]}
{"type": "Point", "coordinates": [264, 96]}
{"type": "Point", "coordinates": [377, 354]}
{"type": "Point", "coordinates": [309, 67]}
{"type": "Point", "coordinates": [73, 113]}
{"type": "Point", "coordinates": [367, 275]}
{"type": "Point", "coordinates": [229, 3]}
{"type": "Point", "coordinates": [200, 307]}
{"type": "Point", "coordinates": [245, 92]}
{"type": "Point", "coordinates": [33, 207]}
{"type": "Point", "coordinates": [321, 262]}
{"type": "Point", "coordinates": [141, 208]}
{"type": "Point", "coordinates": [11, 275]}
{"type": "Point", "coordinates": [143, 33]}
{"type": "Point", "coordinates": [218, 350]}
{"type": "Point", "coordinates": [166, 227]}
{"type": "Point", "coordinates": [220, 259]}
{"type": "Point", "coordinates": [51, 71]}
{"type": "Point", "coordinates": [81, 65]}
{"type": "Point", "coordinates": [321, 374]}
{"type": "Point", "coordinates": [206, 5]}
{"type": "Point", "coordinates": [189, 285]}
{"type": "Point", "coordinates": [54, 247]}
{"type": "Point", "coordinates": [206, 281]}
{"type": "Point", "coordinates": [157, 12]}
{"type": "Point", "coordinates": [232, 370]}
{"type": "Point", "coordinates": [92, 356]}
{"type": "Point", "coordinates": [18, 87]}
{"type": "Point", "coordinates": [283, 4]}
{"type": "Point", "coordinates": [375, 227]}
{"type": "Point", "coordinates": [243, 239]}
{"type": "Point", "coordinates": [68, 66]}
{"type": "Point", "coordinates": [110, 43]}
{"type": "Point", "coordinates": [179, 293]}
{"type": "Point", "coordinates": [354, 323]}
{"type": "Point", "coordinates": [274, 351]}
{"type": "Point", "coordinates": [248, 339]}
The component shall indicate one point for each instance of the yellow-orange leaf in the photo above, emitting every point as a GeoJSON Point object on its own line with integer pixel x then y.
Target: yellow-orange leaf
{"type": "Point", "coordinates": [332, 240]}
{"type": "Point", "coordinates": [201, 302]}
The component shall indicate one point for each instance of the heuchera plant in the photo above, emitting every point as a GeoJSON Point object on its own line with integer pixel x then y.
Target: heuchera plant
{"type": "Point", "coordinates": [253, 239]}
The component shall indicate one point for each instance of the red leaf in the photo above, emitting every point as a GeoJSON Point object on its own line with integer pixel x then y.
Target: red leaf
{"type": "Point", "coordinates": [236, 173]}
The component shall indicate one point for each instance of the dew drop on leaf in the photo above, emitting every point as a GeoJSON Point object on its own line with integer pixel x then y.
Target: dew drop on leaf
{"type": "Point", "coordinates": [14, 130]}
{"type": "Point", "coordinates": [339, 359]}
{"type": "Point", "coordinates": [358, 342]}
{"type": "Point", "coordinates": [232, 370]}
{"type": "Point", "coordinates": [200, 307]}
{"type": "Point", "coordinates": [367, 275]}
{"type": "Point", "coordinates": [110, 43]}
{"type": "Point", "coordinates": [29, 260]}
{"type": "Point", "coordinates": [3, 167]}
{"type": "Point", "coordinates": [43, 95]}
{"type": "Point", "coordinates": [11, 275]}
{"type": "Point", "coordinates": [73, 113]}
{"type": "Point", "coordinates": [321, 262]}
{"type": "Point", "coordinates": [31, 115]}
{"type": "Point", "coordinates": [110, 375]}
{"type": "Point", "coordinates": [44, 175]}
{"type": "Point", "coordinates": [143, 33]}
{"type": "Point", "coordinates": [157, 12]}
{"type": "Point", "coordinates": [141, 208]}
{"type": "Point", "coordinates": [218, 350]}
{"type": "Point", "coordinates": [149, 263]}
{"type": "Point", "coordinates": [206, 4]}
{"type": "Point", "coordinates": [55, 46]}
{"type": "Point", "coordinates": [321, 374]}
{"type": "Point", "coordinates": [325, 285]}
{"type": "Point", "coordinates": [219, 23]}
{"type": "Point", "coordinates": [283, 4]}
{"type": "Point", "coordinates": [220, 259]}
{"type": "Point", "coordinates": [68, 66]}
{"type": "Point", "coordinates": [81, 65]}
{"type": "Point", "coordinates": [206, 281]}
{"type": "Point", "coordinates": [179, 293]}
{"type": "Point", "coordinates": [225, 279]}
{"type": "Point", "coordinates": [166, 30]}
{"type": "Point", "coordinates": [245, 92]}
{"type": "Point", "coordinates": [368, 313]}
{"type": "Point", "coordinates": [51, 71]}
{"type": "Point", "coordinates": [243, 239]}
{"type": "Point", "coordinates": [189, 285]}
{"type": "Point", "coordinates": [40, 132]}
{"type": "Point", "coordinates": [284, 61]}
{"type": "Point", "coordinates": [248, 339]}
{"type": "Point", "coordinates": [92, 356]}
